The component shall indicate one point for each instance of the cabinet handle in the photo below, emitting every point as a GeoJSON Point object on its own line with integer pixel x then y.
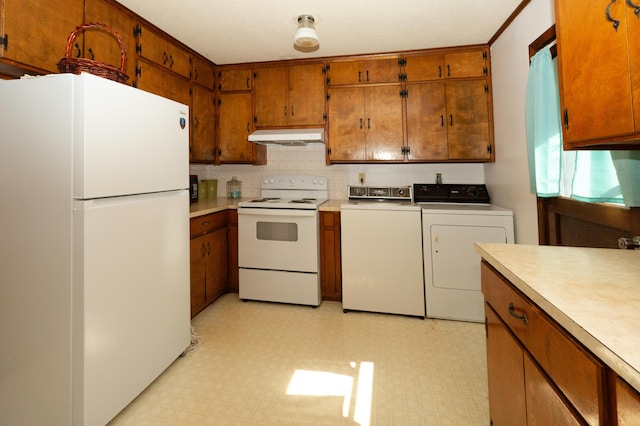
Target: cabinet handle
{"type": "Point", "coordinates": [359, 76]}
{"type": "Point", "coordinates": [361, 123]}
{"type": "Point", "coordinates": [636, 8]}
{"type": "Point", "coordinates": [441, 120]}
{"type": "Point", "coordinates": [449, 68]}
{"type": "Point", "coordinates": [292, 112]}
{"type": "Point", "coordinates": [203, 250]}
{"type": "Point", "coordinates": [209, 250]}
{"type": "Point", "coordinates": [450, 119]}
{"type": "Point", "coordinates": [78, 51]}
{"type": "Point", "coordinates": [367, 75]}
{"type": "Point", "coordinates": [566, 119]}
{"type": "Point", "coordinates": [195, 74]}
{"type": "Point", "coordinates": [248, 87]}
{"type": "Point", "coordinates": [439, 71]}
{"type": "Point", "coordinates": [90, 50]}
{"type": "Point", "coordinates": [368, 123]}
{"type": "Point", "coordinates": [513, 313]}
{"type": "Point", "coordinates": [196, 122]}
{"type": "Point", "coordinates": [285, 111]}
{"type": "Point", "coordinates": [616, 23]}
{"type": "Point", "coordinates": [248, 128]}
{"type": "Point", "coordinates": [166, 58]}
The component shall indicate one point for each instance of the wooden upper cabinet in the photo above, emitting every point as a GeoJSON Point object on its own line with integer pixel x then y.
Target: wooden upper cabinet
{"type": "Point", "coordinates": [235, 79]}
{"type": "Point", "coordinates": [154, 78]}
{"type": "Point", "coordinates": [426, 121]}
{"type": "Point", "coordinates": [203, 72]}
{"type": "Point", "coordinates": [467, 120]}
{"type": "Point", "coordinates": [235, 123]}
{"type": "Point", "coordinates": [365, 124]}
{"type": "Point", "coordinates": [160, 50]}
{"type": "Point", "coordinates": [203, 119]}
{"type": "Point", "coordinates": [289, 96]}
{"type": "Point", "coordinates": [367, 71]}
{"type": "Point", "coordinates": [599, 73]}
{"type": "Point", "coordinates": [34, 34]}
{"type": "Point", "coordinates": [455, 64]}
{"type": "Point", "coordinates": [104, 47]}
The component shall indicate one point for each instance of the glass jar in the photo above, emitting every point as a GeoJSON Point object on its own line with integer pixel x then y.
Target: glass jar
{"type": "Point", "coordinates": [234, 188]}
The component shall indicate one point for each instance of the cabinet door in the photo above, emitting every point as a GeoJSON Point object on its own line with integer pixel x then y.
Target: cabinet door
{"type": "Point", "coordinates": [383, 123]}
{"type": "Point", "coordinates": [161, 51]}
{"type": "Point", "coordinates": [271, 97]}
{"type": "Point", "coordinates": [37, 31]}
{"type": "Point", "coordinates": [346, 131]}
{"type": "Point", "coordinates": [595, 80]}
{"type": "Point", "coordinates": [628, 404]}
{"type": "Point", "coordinates": [203, 125]}
{"type": "Point", "coordinates": [466, 64]}
{"type": "Point", "coordinates": [230, 80]}
{"type": "Point", "coordinates": [633, 23]}
{"type": "Point", "coordinates": [385, 70]}
{"type": "Point", "coordinates": [202, 72]}
{"type": "Point", "coordinates": [426, 130]}
{"type": "Point", "coordinates": [234, 127]}
{"type": "Point", "coordinates": [233, 283]}
{"type": "Point", "coordinates": [216, 269]}
{"type": "Point", "coordinates": [104, 47]}
{"type": "Point", "coordinates": [330, 256]}
{"type": "Point", "coordinates": [424, 67]}
{"type": "Point", "coordinates": [306, 95]}
{"type": "Point", "coordinates": [198, 254]}
{"type": "Point", "coordinates": [544, 405]}
{"type": "Point", "coordinates": [505, 369]}
{"type": "Point", "coordinates": [155, 79]}
{"type": "Point", "coordinates": [468, 120]}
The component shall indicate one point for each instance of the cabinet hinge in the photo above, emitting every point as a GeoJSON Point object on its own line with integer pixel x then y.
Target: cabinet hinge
{"type": "Point", "coordinates": [329, 151]}
{"type": "Point", "coordinates": [138, 49]}
{"type": "Point", "coordinates": [484, 55]}
{"type": "Point", "coordinates": [402, 77]}
{"type": "Point", "coordinates": [405, 150]}
{"type": "Point", "coordinates": [486, 88]}
{"type": "Point", "coordinates": [324, 116]}
{"type": "Point", "coordinates": [4, 41]}
{"type": "Point", "coordinates": [404, 93]}
{"type": "Point", "coordinates": [485, 71]}
{"type": "Point", "coordinates": [328, 98]}
{"type": "Point", "coordinates": [255, 119]}
{"type": "Point", "coordinates": [138, 71]}
{"type": "Point", "coordinates": [486, 328]}
{"type": "Point", "coordinates": [324, 70]}
{"type": "Point", "coordinates": [402, 62]}
{"type": "Point", "coordinates": [255, 75]}
{"type": "Point", "coordinates": [489, 149]}
{"type": "Point", "coordinates": [328, 81]}
{"type": "Point", "coordinates": [137, 30]}
{"type": "Point", "coordinates": [328, 67]}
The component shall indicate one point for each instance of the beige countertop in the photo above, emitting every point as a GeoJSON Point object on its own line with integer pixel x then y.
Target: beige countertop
{"type": "Point", "coordinates": [593, 293]}
{"type": "Point", "coordinates": [219, 204]}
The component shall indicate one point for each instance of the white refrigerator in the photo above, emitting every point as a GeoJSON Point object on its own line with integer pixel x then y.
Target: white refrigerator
{"type": "Point", "coordinates": [94, 246]}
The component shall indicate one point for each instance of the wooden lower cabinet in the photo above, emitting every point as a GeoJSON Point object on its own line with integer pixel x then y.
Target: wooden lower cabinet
{"type": "Point", "coordinates": [330, 256]}
{"type": "Point", "coordinates": [628, 404]}
{"type": "Point", "coordinates": [232, 237]}
{"type": "Point", "coordinates": [538, 373]}
{"type": "Point", "coordinates": [209, 259]}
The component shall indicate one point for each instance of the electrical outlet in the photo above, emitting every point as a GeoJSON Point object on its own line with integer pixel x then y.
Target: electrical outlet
{"type": "Point", "coordinates": [361, 178]}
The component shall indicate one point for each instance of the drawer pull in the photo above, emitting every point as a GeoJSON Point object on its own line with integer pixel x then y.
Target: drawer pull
{"type": "Point", "coordinates": [513, 313]}
{"type": "Point", "coordinates": [207, 223]}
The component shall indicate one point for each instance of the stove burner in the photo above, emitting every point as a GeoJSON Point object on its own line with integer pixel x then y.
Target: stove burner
{"type": "Point", "coordinates": [304, 201]}
{"type": "Point", "coordinates": [264, 200]}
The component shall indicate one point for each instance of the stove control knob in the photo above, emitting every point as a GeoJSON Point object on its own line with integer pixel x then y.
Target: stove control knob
{"type": "Point", "coordinates": [473, 192]}
{"type": "Point", "coordinates": [293, 181]}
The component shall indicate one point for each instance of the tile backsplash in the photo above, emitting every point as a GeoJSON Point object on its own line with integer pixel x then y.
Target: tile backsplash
{"type": "Point", "coordinates": [310, 160]}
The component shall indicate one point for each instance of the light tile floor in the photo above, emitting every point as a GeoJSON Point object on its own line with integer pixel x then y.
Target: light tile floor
{"type": "Point", "coordinates": [264, 363]}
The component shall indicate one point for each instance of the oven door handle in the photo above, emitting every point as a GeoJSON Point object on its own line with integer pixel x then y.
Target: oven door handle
{"type": "Point", "coordinates": [277, 212]}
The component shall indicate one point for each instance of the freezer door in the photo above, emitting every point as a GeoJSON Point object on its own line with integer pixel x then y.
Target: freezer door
{"type": "Point", "coordinates": [131, 309]}
{"type": "Point", "coordinates": [127, 141]}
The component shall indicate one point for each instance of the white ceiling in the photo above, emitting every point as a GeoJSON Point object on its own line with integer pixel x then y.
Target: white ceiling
{"type": "Point", "coordinates": [236, 31]}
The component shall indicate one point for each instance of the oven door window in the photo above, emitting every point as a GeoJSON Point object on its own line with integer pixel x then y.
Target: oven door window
{"type": "Point", "coordinates": [277, 231]}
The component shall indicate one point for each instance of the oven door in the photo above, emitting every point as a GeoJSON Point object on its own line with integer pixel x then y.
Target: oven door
{"type": "Point", "coordinates": [278, 239]}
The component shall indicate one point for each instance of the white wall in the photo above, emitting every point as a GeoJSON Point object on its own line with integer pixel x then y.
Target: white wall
{"type": "Point", "coordinates": [508, 178]}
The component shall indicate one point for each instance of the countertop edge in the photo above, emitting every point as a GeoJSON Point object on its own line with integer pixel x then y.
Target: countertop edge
{"type": "Point", "coordinates": [579, 331]}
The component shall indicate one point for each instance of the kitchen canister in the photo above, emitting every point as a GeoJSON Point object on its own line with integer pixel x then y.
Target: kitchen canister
{"type": "Point", "coordinates": [234, 188]}
{"type": "Point", "coordinates": [203, 190]}
{"type": "Point", "coordinates": [212, 189]}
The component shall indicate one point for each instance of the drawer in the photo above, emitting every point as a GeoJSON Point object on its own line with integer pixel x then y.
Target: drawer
{"type": "Point", "coordinates": [207, 223]}
{"type": "Point", "coordinates": [579, 375]}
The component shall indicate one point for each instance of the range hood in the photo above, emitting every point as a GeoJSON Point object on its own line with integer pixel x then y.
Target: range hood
{"type": "Point", "coordinates": [293, 137]}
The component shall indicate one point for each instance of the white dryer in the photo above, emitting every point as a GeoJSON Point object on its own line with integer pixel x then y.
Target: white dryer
{"type": "Point", "coordinates": [451, 264]}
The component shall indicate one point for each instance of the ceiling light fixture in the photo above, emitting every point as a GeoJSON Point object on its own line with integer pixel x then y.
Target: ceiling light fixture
{"type": "Point", "coordinates": [305, 35]}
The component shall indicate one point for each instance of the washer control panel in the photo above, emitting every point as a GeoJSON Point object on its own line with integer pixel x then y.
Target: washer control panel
{"type": "Point", "coordinates": [380, 193]}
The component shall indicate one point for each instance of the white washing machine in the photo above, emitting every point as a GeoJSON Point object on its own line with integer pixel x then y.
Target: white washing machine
{"type": "Point", "coordinates": [451, 264]}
